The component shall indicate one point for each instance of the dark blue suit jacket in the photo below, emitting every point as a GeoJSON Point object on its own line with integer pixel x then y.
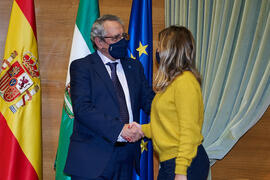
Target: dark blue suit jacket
{"type": "Point", "coordinates": [96, 124]}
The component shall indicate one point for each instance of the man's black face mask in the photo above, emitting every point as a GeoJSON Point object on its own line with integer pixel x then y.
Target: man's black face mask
{"type": "Point", "coordinates": [118, 50]}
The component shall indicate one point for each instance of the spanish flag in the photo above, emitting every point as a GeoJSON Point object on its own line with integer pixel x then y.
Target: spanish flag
{"type": "Point", "coordinates": [20, 101]}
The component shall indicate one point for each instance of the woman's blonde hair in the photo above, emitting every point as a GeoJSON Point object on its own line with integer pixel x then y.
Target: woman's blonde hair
{"type": "Point", "coordinates": [177, 54]}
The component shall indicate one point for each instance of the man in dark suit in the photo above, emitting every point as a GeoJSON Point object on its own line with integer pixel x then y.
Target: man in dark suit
{"type": "Point", "coordinates": [107, 92]}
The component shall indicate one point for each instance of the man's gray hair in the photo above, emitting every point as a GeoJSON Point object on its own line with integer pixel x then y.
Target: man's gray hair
{"type": "Point", "coordinates": [98, 28]}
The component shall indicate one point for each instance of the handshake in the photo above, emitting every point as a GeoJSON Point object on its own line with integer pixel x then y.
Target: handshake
{"type": "Point", "coordinates": [132, 132]}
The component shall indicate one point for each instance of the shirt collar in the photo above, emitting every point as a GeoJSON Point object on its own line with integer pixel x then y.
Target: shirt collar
{"type": "Point", "coordinates": [106, 60]}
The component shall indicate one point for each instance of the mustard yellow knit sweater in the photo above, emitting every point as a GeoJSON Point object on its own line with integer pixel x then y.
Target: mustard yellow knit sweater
{"type": "Point", "coordinates": [176, 121]}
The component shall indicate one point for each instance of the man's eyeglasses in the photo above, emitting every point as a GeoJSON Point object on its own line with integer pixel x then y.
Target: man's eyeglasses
{"type": "Point", "coordinates": [118, 37]}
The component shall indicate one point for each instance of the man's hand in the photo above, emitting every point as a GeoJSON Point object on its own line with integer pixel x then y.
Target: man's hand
{"type": "Point", "coordinates": [132, 132]}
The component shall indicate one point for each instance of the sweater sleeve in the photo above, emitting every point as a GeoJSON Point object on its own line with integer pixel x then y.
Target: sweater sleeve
{"type": "Point", "coordinates": [146, 129]}
{"type": "Point", "coordinates": [188, 102]}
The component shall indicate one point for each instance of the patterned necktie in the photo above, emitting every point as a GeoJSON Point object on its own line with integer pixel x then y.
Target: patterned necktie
{"type": "Point", "coordinates": [124, 116]}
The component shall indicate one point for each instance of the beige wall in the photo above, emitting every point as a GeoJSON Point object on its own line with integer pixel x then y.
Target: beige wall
{"type": "Point", "coordinates": [55, 23]}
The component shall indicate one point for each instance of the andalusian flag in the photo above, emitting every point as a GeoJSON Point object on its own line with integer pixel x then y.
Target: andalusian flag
{"type": "Point", "coordinates": [88, 12]}
{"type": "Point", "coordinates": [20, 109]}
{"type": "Point", "coordinates": [141, 48]}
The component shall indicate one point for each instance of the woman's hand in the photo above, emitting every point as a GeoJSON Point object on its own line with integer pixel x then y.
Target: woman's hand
{"type": "Point", "coordinates": [132, 132]}
{"type": "Point", "coordinates": [180, 177]}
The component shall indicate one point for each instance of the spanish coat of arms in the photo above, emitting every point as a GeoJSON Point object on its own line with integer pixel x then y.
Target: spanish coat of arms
{"type": "Point", "coordinates": [17, 80]}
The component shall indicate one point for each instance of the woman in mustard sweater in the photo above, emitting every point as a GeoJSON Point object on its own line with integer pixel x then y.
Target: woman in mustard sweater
{"type": "Point", "coordinates": [177, 109]}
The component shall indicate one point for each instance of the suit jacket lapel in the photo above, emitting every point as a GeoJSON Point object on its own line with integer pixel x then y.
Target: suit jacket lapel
{"type": "Point", "coordinates": [128, 69]}
{"type": "Point", "coordinates": [99, 67]}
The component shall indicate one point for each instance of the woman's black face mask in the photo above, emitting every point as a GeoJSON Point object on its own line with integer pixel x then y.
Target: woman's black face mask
{"type": "Point", "coordinates": [157, 57]}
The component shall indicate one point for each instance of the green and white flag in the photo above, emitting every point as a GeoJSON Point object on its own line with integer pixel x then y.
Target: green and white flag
{"type": "Point", "coordinates": [88, 12]}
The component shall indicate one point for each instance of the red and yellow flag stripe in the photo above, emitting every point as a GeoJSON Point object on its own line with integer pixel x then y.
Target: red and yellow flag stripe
{"type": "Point", "coordinates": [20, 115]}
